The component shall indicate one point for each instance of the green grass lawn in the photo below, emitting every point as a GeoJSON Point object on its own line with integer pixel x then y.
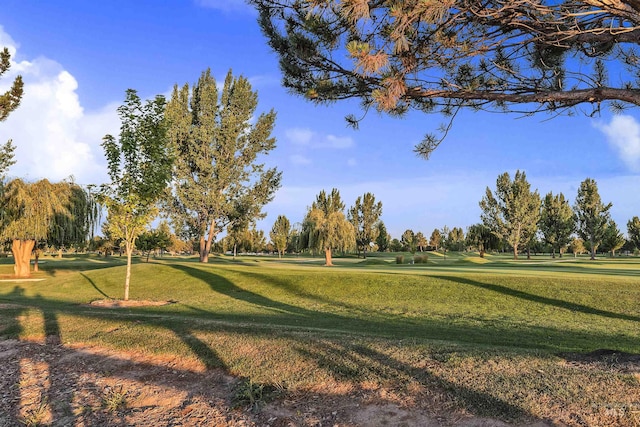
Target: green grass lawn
{"type": "Point", "coordinates": [496, 337]}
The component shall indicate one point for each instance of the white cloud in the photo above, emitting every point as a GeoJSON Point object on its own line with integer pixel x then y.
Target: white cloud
{"type": "Point", "coordinates": [226, 5]}
{"type": "Point", "coordinates": [298, 159]}
{"type": "Point", "coordinates": [54, 136]}
{"type": "Point", "coordinates": [623, 134]}
{"type": "Point", "coordinates": [308, 138]}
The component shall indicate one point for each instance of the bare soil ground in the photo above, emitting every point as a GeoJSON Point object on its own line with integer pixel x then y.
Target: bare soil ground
{"type": "Point", "coordinates": [50, 384]}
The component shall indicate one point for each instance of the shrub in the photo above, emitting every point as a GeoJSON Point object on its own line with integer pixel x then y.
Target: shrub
{"type": "Point", "coordinates": [400, 259]}
{"type": "Point", "coordinates": [420, 259]}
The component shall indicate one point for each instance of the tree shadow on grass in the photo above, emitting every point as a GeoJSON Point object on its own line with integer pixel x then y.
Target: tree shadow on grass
{"type": "Point", "coordinates": [348, 362]}
{"type": "Point", "coordinates": [540, 299]}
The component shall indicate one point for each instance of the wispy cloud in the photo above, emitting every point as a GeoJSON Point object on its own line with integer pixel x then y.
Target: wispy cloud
{"type": "Point", "coordinates": [623, 134]}
{"type": "Point", "coordinates": [226, 5]}
{"type": "Point", "coordinates": [308, 138]}
{"type": "Point", "coordinates": [299, 159]}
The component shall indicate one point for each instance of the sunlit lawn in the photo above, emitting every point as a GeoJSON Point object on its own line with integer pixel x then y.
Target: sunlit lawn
{"type": "Point", "coordinates": [479, 330]}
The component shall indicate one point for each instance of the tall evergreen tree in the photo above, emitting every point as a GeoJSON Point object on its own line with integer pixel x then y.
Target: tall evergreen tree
{"type": "Point", "coordinates": [592, 216]}
{"type": "Point", "coordinates": [613, 238]}
{"type": "Point", "coordinates": [364, 216]}
{"type": "Point", "coordinates": [633, 230]}
{"type": "Point", "coordinates": [280, 234]}
{"type": "Point", "coordinates": [139, 165]}
{"type": "Point", "coordinates": [383, 240]}
{"type": "Point", "coordinates": [217, 177]}
{"type": "Point", "coordinates": [513, 212]}
{"type": "Point", "coordinates": [557, 222]}
{"type": "Point", "coordinates": [327, 227]}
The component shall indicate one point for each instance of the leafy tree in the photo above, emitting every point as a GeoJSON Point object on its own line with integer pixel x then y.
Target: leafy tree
{"type": "Point", "coordinates": [139, 165]}
{"type": "Point", "coordinates": [408, 240]}
{"type": "Point", "coordinates": [633, 230]}
{"type": "Point", "coordinates": [150, 240]}
{"type": "Point", "coordinates": [280, 234]}
{"type": "Point", "coordinates": [364, 216]}
{"type": "Point", "coordinates": [421, 241]}
{"type": "Point", "coordinates": [31, 213]}
{"type": "Point", "coordinates": [482, 238]}
{"type": "Point", "coordinates": [513, 212]}
{"type": "Point", "coordinates": [592, 216]}
{"type": "Point", "coordinates": [557, 222]}
{"type": "Point", "coordinates": [395, 245]}
{"type": "Point", "coordinates": [218, 139]}
{"type": "Point", "coordinates": [576, 246]}
{"type": "Point", "coordinates": [442, 56]}
{"type": "Point", "coordinates": [326, 226]}
{"type": "Point", "coordinates": [456, 239]}
{"type": "Point", "coordinates": [613, 238]}
{"type": "Point", "coordinates": [238, 236]}
{"type": "Point", "coordinates": [383, 238]}
{"type": "Point", "coordinates": [436, 239]}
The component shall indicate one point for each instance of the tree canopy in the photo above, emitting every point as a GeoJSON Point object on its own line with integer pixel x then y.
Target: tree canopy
{"type": "Point", "coordinates": [218, 139]}
{"type": "Point", "coordinates": [280, 234]}
{"type": "Point", "coordinates": [513, 212]}
{"type": "Point", "coordinates": [557, 222]}
{"type": "Point", "coordinates": [592, 216]}
{"type": "Point", "coordinates": [364, 216]}
{"type": "Point", "coordinates": [441, 56]}
{"type": "Point", "coordinates": [10, 100]}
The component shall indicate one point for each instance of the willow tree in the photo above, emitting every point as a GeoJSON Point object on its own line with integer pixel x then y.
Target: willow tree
{"type": "Point", "coordinates": [139, 165]}
{"type": "Point", "coordinates": [592, 216]}
{"type": "Point", "coordinates": [326, 226]}
{"type": "Point", "coordinates": [218, 140]}
{"type": "Point", "coordinates": [364, 216]}
{"type": "Point", "coordinates": [39, 211]}
{"type": "Point", "coordinates": [513, 212]}
{"type": "Point", "coordinates": [442, 56]}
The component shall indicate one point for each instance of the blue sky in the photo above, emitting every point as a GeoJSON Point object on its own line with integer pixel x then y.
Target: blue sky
{"type": "Point", "coordinates": [77, 59]}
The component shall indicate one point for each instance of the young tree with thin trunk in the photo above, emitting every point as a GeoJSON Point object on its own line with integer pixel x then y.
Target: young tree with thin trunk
{"type": "Point", "coordinates": [513, 212]}
{"type": "Point", "coordinates": [364, 215]}
{"type": "Point", "coordinates": [557, 222]}
{"type": "Point", "coordinates": [280, 234]}
{"type": "Point", "coordinates": [326, 226]}
{"type": "Point", "coordinates": [218, 139]}
{"type": "Point", "coordinates": [576, 246]}
{"type": "Point", "coordinates": [592, 216]}
{"type": "Point", "coordinates": [421, 241]}
{"type": "Point", "coordinates": [139, 165]}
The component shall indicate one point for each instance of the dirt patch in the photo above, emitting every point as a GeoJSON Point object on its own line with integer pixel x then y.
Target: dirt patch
{"type": "Point", "coordinates": [45, 384]}
{"type": "Point", "coordinates": [116, 303]}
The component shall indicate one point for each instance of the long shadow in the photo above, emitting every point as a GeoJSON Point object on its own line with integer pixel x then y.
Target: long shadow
{"type": "Point", "coordinates": [540, 299]}
{"type": "Point", "coordinates": [347, 362]}
{"type": "Point", "coordinates": [95, 286]}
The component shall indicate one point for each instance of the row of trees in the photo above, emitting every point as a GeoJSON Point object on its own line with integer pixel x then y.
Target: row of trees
{"type": "Point", "coordinates": [516, 215]}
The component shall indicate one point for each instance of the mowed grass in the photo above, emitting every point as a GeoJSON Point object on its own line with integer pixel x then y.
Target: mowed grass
{"type": "Point", "coordinates": [494, 337]}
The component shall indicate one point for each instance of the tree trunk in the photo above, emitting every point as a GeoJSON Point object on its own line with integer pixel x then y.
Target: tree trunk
{"type": "Point", "coordinates": [327, 257]}
{"type": "Point", "coordinates": [127, 278]}
{"type": "Point", "coordinates": [528, 253]}
{"type": "Point", "coordinates": [235, 250]}
{"type": "Point", "coordinates": [515, 252]}
{"type": "Point", "coordinates": [21, 250]}
{"type": "Point", "coordinates": [482, 252]}
{"type": "Point", "coordinates": [35, 262]}
{"type": "Point", "coordinates": [364, 252]}
{"type": "Point", "coordinates": [593, 250]}
{"type": "Point", "coordinates": [553, 253]}
{"type": "Point", "coordinates": [204, 256]}
{"type": "Point", "coordinates": [60, 253]}
{"type": "Point", "coordinates": [206, 248]}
